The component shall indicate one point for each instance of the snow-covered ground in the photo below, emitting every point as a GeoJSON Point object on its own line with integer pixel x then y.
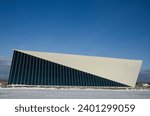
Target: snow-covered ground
{"type": "Point", "coordinates": [46, 93]}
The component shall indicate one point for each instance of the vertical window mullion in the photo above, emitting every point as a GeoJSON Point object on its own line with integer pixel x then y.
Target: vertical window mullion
{"type": "Point", "coordinates": [78, 78]}
{"type": "Point", "coordinates": [52, 74]}
{"type": "Point", "coordinates": [42, 74]}
{"type": "Point", "coordinates": [66, 76]}
{"type": "Point", "coordinates": [23, 63]}
{"type": "Point", "coordinates": [15, 67]}
{"type": "Point", "coordinates": [25, 71]}
{"type": "Point", "coordinates": [59, 71]}
{"type": "Point", "coordinates": [35, 71]}
{"type": "Point", "coordinates": [56, 74]}
{"type": "Point", "coordinates": [72, 76]}
{"type": "Point", "coordinates": [32, 71]}
{"type": "Point", "coordinates": [29, 70]}
{"type": "Point", "coordinates": [19, 66]}
{"type": "Point", "coordinates": [48, 72]}
{"type": "Point", "coordinates": [62, 75]}
{"type": "Point", "coordinates": [39, 71]}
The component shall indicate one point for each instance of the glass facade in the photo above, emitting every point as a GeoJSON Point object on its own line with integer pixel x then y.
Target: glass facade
{"type": "Point", "coordinates": [30, 70]}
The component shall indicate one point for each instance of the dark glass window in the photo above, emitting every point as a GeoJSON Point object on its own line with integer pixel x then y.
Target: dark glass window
{"type": "Point", "coordinates": [30, 70]}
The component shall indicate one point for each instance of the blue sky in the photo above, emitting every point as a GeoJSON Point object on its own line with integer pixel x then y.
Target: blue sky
{"type": "Point", "coordinates": [111, 28]}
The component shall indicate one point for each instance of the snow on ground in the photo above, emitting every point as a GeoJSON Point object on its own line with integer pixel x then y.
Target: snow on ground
{"type": "Point", "coordinates": [46, 93]}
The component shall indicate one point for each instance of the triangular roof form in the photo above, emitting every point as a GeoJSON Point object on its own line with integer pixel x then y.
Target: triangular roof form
{"type": "Point", "coordinates": [120, 70]}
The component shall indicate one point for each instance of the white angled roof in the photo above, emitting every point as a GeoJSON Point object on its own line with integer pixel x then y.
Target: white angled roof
{"type": "Point", "coordinates": [120, 70]}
